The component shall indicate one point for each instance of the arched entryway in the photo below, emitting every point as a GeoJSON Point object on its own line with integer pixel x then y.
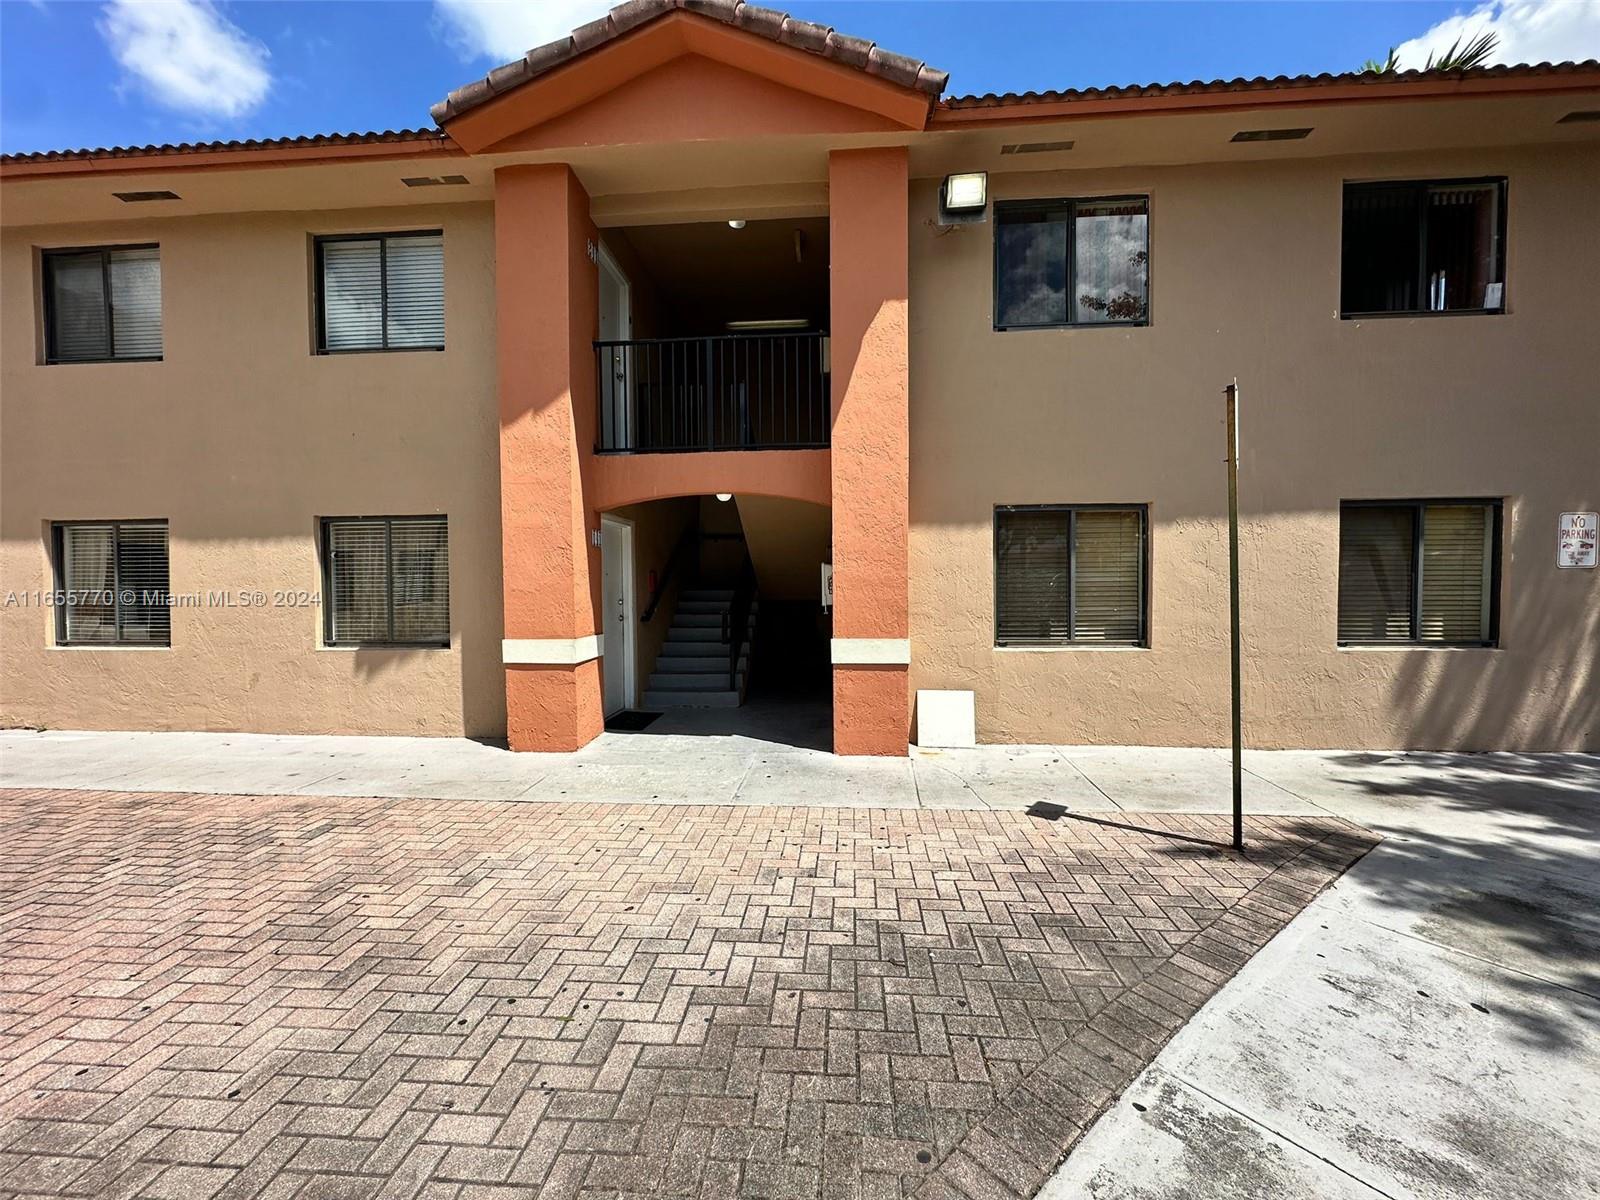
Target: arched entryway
{"type": "Point", "coordinates": [713, 619]}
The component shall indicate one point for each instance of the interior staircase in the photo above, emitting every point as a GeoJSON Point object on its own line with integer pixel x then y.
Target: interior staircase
{"type": "Point", "coordinates": [692, 669]}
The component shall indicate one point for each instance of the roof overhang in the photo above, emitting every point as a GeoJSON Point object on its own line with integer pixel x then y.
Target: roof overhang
{"type": "Point", "coordinates": [509, 121]}
{"type": "Point", "coordinates": [1217, 96]}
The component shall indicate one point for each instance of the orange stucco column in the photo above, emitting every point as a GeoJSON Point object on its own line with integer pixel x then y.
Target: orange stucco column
{"type": "Point", "coordinates": [867, 205]}
{"type": "Point", "coordinates": [545, 289]}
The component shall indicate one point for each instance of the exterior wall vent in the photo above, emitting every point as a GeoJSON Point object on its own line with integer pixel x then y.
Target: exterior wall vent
{"type": "Point", "coordinates": [144, 197]}
{"type": "Point", "coordinates": [434, 180]}
{"type": "Point", "coordinates": [1582, 116]}
{"type": "Point", "coordinates": [1034, 147]}
{"type": "Point", "coordinates": [1270, 135]}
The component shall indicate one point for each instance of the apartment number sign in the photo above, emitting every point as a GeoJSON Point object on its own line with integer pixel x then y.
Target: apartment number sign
{"type": "Point", "coordinates": [1576, 542]}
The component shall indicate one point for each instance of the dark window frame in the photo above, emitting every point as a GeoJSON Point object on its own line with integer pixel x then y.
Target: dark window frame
{"type": "Point", "coordinates": [58, 558]}
{"type": "Point", "coordinates": [1421, 186]}
{"type": "Point", "coordinates": [1142, 642]}
{"type": "Point", "coordinates": [1496, 505]}
{"type": "Point", "coordinates": [321, 297]}
{"type": "Point", "coordinates": [325, 553]}
{"type": "Point", "coordinates": [47, 280]}
{"type": "Point", "coordinates": [1070, 206]}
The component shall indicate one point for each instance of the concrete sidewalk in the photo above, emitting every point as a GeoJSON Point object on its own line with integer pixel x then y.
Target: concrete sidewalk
{"type": "Point", "coordinates": [776, 762]}
{"type": "Point", "coordinates": [1430, 1027]}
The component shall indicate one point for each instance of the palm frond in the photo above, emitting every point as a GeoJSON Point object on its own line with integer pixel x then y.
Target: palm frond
{"type": "Point", "coordinates": [1459, 58]}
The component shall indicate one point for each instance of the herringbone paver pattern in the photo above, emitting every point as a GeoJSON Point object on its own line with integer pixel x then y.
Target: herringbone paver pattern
{"type": "Point", "coordinates": [218, 996]}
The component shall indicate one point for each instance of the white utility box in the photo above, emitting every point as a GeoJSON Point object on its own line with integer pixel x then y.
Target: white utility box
{"type": "Point", "coordinates": [946, 719]}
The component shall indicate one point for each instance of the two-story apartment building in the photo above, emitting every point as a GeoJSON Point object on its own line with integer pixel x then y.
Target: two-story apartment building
{"type": "Point", "coordinates": [561, 408]}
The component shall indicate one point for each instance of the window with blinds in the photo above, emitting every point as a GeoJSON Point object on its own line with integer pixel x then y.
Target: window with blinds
{"type": "Point", "coordinates": [112, 584]}
{"type": "Point", "coordinates": [381, 292]}
{"type": "Point", "coordinates": [1072, 262]}
{"type": "Point", "coordinates": [1426, 246]}
{"type": "Point", "coordinates": [1419, 572]}
{"type": "Point", "coordinates": [1070, 575]}
{"type": "Point", "coordinates": [102, 304]}
{"type": "Point", "coordinates": [386, 581]}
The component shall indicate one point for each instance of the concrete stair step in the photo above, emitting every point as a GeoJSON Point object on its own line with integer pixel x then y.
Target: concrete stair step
{"type": "Point", "coordinates": [683, 635]}
{"type": "Point", "coordinates": [696, 620]}
{"type": "Point", "coordinates": [694, 651]}
{"type": "Point", "coordinates": [722, 595]}
{"type": "Point", "coordinates": [711, 681]}
{"type": "Point", "coordinates": [697, 664]}
{"type": "Point", "coordinates": [722, 699]}
{"type": "Point", "coordinates": [704, 606]}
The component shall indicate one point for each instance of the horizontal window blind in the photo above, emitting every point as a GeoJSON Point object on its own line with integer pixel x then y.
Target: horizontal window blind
{"type": "Point", "coordinates": [1455, 573]}
{"type": "Point", "coordinates": [1033, 576]}
{"type": "Point", "coordinates": [388, 580]}
{"type": "Point", "coordinates": [1069, 575]}
{"type": "Point", "coordinates": [1375, 564]}
{"type": "Point", "coordinates": [382, 293]}
{"type": "Point", "coordinates": [88, 573]}
{"type": "Point", "coordinates": [103, 304]}
{"type": "Point", "coordinates": [135, 302]}
{"type": "Point", "coordinates": [116, 579]}
{"type": "Point", "coordinates": [1417, 572]}
{"type": "Point", "coordinates": [352, 295]}
{"type": "Point", "coordinates": [1418, 246]}
{"type": "Point", "coordinates": [1108, 605]}
{"type": "Point", "coordinates": [415, 289]}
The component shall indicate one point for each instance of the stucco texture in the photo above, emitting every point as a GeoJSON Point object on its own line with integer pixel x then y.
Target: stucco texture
{"type": "Point", "coordinates": [1245, 283]}
{"type": "Point", "coordinates": [242, 438]}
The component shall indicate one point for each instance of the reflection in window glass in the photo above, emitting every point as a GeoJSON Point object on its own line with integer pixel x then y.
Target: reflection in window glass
{"type": "Point", "coordinates": [1111, 261]}
{"type": "Point", "coordinates": [1033, 269]}
{"type": "Point", "coordinates": [1072, 262]}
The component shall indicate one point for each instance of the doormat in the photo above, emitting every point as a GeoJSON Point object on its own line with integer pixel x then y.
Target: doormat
{"type": "Point", "coordinates": [630, 721]}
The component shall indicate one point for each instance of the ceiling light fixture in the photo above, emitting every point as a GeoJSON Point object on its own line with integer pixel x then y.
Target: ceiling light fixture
{"type": "Point", "coordinates": [724, 496]}
{"type": "Point", "coordinates": [736, 223]}
{"type": "Point", "coordinates": [771, 323]}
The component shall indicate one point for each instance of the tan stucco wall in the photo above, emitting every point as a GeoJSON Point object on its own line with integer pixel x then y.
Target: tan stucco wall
{"type": "Point", "coordinates": [242, 439]}
{"type": "Point", "coordinates": [1245, 282]}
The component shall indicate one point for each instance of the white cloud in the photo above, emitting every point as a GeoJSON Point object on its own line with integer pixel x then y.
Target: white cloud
{"type": "Point", "coordinates": [187, 55]}
{"type": "Point", "coordinates": [505, 29]}
{"type": "Point", "coordinates": [1530, 31]}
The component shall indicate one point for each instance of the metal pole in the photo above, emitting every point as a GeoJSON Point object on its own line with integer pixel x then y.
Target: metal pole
{"type": "Point", "coordinates": [1232, 394]}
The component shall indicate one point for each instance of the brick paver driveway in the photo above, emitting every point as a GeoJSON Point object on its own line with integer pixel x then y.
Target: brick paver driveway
{"type": "Point", "coordinates": [235, 996]}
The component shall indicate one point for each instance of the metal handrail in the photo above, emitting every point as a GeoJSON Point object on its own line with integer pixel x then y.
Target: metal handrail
{"type": "Point", "coordinates": [689, 538]}
{"type": "Point", "coordinates": [739, 621]}
{"type": "Point", "coordinates": [734, 391]}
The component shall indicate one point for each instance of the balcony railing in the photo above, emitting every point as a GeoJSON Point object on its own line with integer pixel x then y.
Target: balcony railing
{"type": "Point", "coordinates": [730, 392]}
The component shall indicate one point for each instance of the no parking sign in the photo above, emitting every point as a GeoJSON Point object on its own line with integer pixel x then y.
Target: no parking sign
{"type": "Point", "coordinates": [1575, 545]}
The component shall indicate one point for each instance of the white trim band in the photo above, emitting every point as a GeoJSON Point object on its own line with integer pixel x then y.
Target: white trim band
{"type": "Point", "coordinates": [551, 652]}
{"type": "Point", "coordinates": [870, 652]}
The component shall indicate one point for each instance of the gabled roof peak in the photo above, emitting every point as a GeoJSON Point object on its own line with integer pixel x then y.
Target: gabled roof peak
{"type": "Point", "coordinates": [768, 23]}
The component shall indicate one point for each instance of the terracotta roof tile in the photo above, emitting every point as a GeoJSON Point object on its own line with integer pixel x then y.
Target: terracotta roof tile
{"type": "Point", "coordinates": [766, 22]}
{"type": "Point", "coordinates": [311, 141]}
{"type": "Point", "coordinates": [1263, 83]}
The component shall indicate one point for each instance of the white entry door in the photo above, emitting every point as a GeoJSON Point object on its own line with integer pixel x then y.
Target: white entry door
{"type": "Point", "coordinates": [616, 325]}
{"type": "Point", "coordinates": [616, 612]}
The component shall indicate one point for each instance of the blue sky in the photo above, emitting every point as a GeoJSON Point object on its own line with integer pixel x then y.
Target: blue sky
{"type": "Point", "coordinates": [118, 72]}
